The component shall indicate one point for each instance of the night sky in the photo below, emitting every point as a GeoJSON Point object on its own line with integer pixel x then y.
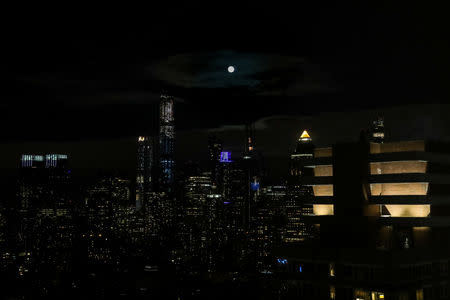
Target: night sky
{"type": "Point", "coordinates": [87, 83]}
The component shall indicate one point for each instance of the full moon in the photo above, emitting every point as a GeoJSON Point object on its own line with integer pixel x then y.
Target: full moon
{"type": "Point", "coordinates": [230, 69]}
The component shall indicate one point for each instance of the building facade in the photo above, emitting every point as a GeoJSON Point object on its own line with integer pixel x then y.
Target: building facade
{"type": "Point", "coordinates": [166, 144]}
{"type": "Point", "coordinates": [144, 170]}
{"type": "Point", "coordinates": [382, 223]}
{"type": "Point", "coordinates": [298, 193]}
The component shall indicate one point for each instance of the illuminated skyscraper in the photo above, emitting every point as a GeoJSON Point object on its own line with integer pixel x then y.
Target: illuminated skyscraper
{"type": "Point", "coordinates": [44, 181]}
{"type": "Point", "coordinates": [101, 203]}
{"type": "Point", "coordinates": [268, 221]}
{"type": "Point", "coordinates": [46, 227]}
{"type": "Point", "coordinates": [144, 169]}
{"type": "Point", "coordinates": [251, 163]}
{"type": "Point", "coordinates": [166, 143]}
{"type": "Point", "coordinates": [297, 192]}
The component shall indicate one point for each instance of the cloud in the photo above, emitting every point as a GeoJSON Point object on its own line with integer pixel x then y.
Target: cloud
{"type": "Point", "coordinates": [260, 73]}
{"type": "Point", "coordinates": [74, 91]}
{"type": "Point", "coordinates": [227, 128]}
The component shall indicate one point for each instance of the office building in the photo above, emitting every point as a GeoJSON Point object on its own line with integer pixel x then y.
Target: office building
{"type": "Point", "coordinates": [143, 170]}
{"type": "Point", "coordinates": [201, 219]}
{"type": "Point", "coordinates": [214, 165]}
{"type": "Point", "coordinates": [268, 223]}
{"type": "Point", "coordinates": [382, 227]}
{"type": "Point", "coordinates": [297, 195]}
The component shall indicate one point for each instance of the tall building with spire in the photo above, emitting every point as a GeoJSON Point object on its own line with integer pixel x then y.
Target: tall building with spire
{"type": "Point", "coordinates": [251, 164]}
{"type": "Point", "coordinates": [297, 192]}
{"type": "Point", "coordinates": [166, 143]}
{"type": "Point", "coordinates": [144, 170]}
{"type": "Point", "coordinates": [249, 141]}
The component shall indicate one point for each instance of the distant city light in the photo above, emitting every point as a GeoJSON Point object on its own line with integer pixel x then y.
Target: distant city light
{"type": "Point", "coordinates": [305, 136]}
{"type": "Point", "coordinates": [255, 186]}
{"type": "Point", "coordinates": [225, 156]}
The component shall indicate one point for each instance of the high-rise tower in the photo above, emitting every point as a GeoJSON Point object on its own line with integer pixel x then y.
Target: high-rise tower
{"type": "Point", "coordinates": [166, 143]}
{"type": "Point", "coordinates": [297, 193]}
{"type": "Point", "coordinates": [144, 169]}
{"type": "Point", "coordinates": [249, 141]}
{"type": "Point", "coordinates": [215, 167]}
{"type": "Point", "coordinates": [251, 164]}
{"type": "Point", "coordinates": [44, 182]}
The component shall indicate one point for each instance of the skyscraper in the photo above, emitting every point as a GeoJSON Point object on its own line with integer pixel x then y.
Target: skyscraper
{"type": "Point", "coordinates": [249, 141]}
{"type": "Point", "coordinates": [234, 191]}
{"type": "Point", "coordinates": [101, 203]}
{"type": "Point", "coordinates": [251, 163]}
{"type": "Point", "coordinates": [46, 227]}
{"type": "Point", "coordinates": [43, 182]}
{"type": "Point", "coordinates": [297, 192]}
{"type": "Point", "coordinates": [268, 223]}
{"type": "Point", "coordinates": [201, 206]}
{"type": "Point", "coordinates": [215, 150]}
{"type": "Point", "coordinates": [166, 143]}
{"type": "Point", "coordinates": [144, 170]}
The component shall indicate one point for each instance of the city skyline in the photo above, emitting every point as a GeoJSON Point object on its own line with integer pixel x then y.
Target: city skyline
{"type": "Point", "coordinates": [284, 129]}
{"type": "Point", "coordinates": [225, 151]}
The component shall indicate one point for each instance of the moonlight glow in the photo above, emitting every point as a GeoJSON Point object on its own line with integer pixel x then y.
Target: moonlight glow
{"type": "Point", "coordinates": [230, 69]}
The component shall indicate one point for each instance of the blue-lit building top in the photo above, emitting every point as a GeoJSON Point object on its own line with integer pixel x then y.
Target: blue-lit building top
{"type": "Point", "coordinates": [55, 160]}
{"type": "Point", "coordinates": [225, 157]}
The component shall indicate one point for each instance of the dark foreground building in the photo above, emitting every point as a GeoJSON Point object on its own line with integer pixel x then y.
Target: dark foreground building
{"type": "Point", "coordinates": [381, 219]}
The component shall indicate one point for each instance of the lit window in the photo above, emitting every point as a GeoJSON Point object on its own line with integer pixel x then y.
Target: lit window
{"type": "Point", "coordinates": [419, 294]}
{"type": "Point", "coordinates": [332, 269]}
{"type": "Point", "coordinates": [377, 296]}
{"type": "Point", "coordinates": [378, 134]}
{"type": "Point", "coordinates": [332, 292]}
